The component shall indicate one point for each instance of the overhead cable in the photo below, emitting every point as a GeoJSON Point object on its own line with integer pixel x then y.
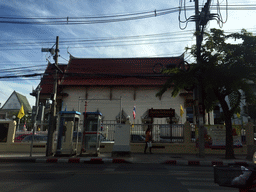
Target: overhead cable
{"type": "Point", "coordinates": [114, 18]}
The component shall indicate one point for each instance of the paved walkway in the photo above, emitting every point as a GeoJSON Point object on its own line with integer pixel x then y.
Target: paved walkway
{"type": "Point", "coordinates": [172, 159]}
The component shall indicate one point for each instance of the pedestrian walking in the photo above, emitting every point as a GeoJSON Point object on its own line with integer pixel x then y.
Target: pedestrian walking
{"type": "Point", "coordinates": [148, 141]}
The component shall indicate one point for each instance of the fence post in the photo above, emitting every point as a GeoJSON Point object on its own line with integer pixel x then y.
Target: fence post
{"type": "Point", "coordinates": [11, 131]}
{"type": "Point", "coordinates": [250, 140]}
{"type": "Point", "coordinates": [187, 132]}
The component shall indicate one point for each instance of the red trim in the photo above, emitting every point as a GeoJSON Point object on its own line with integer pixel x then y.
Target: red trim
{"type": "Point", "coordinates": [54, 160]}
{"type": "Point", "coordinates": [118, 161]}
{"type": "Point", "coordinates": [193, 162]}
{"type": "Point", "coordinates": [219, 163]}
{"type": "Point", "coordinates": [74, 160]}
{"type": "Point", "coordinates": [171, 162]}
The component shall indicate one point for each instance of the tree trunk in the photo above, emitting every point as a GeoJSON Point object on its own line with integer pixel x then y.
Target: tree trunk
{"type": "Point", "coordinates": [229, 137]}
{"type": "Point", "coordinates": [229, 140]}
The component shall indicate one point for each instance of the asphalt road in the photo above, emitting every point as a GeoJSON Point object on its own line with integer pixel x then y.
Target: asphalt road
{"type": "Point", "coordinates": [27, 177]}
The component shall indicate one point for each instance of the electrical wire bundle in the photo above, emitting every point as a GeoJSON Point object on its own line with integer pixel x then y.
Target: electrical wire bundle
{"type": "Point", "coordinates": [185, 8]}
{"type": "Point", "coordinates": [204, 15]}
{"type": "Point", "coordinates": [219, 15]}
{"type": "Point", "coordinates": [23, 72]}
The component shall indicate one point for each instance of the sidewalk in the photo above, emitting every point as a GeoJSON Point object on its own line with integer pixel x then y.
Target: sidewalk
{"type": "Point", "coordinates": [172, 159]}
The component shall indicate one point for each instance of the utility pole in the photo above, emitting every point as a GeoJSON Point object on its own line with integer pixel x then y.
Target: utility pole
{"type": "Point", "coordinates": [52, 120]}
{"type": "Point", "coordinates": [198, 89]}
{"type": "Point", "coordinates": [36, 94]}
{"type": "Point", "coordinates": [201, 21]}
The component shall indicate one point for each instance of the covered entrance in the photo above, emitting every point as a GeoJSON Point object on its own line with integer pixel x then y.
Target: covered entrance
{"type": "Point", "coordinates": [170, 132]}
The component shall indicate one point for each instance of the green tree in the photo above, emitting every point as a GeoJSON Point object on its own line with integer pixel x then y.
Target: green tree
{"type": "Point", "coordinates": [227, 63]}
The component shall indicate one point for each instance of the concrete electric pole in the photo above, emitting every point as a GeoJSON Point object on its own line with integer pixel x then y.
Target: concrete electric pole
{"type": "Point", "coordinates": [201, 20]}
{"type": "Point", "coordinates": [52, 120]}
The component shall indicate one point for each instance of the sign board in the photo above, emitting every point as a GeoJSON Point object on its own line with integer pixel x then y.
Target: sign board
{"type": "Point", "coordinates": [217, 134]}
{"type": "Point", "coordinates": [161, 112]}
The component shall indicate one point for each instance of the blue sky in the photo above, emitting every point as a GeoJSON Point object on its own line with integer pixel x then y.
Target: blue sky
{"type": "Point", "coordinates": [160, 36]}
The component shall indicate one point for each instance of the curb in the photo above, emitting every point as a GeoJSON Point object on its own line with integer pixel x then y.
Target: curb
{"type": "Point", "coordinates": [206, 163]}
{"type": "Point", "coordinates": [17, 160]}
{"type": "Point", "coordinates": [93, 160]}
{"type": "Point", "coordinates": [82, 160]}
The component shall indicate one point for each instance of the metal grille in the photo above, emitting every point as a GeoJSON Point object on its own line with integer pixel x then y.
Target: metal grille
{"type": "Point", "coordinates": [162, 133]}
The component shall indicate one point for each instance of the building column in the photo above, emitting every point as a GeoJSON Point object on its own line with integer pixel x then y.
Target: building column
{"type": "Point", "coordinates": [211, 115]}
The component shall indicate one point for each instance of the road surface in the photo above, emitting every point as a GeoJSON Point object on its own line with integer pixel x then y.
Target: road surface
{"type": "Point", "coordinates": [65, 177]}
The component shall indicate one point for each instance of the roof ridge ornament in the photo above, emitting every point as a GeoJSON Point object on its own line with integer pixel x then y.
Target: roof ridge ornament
{"type": "Point", "coordinates": [70, 55]}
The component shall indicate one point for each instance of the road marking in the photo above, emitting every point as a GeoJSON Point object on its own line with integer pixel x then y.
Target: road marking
{"type": "Point", "coordinates": [177, 173]}
{"type": "Point", "coordinates": [109, 169]}
{"type": "Point", "coordinates": [212, 190]}
{"type": "Point", "coordinates": [195, 179]}
{"type": "Point", "coordinates": [201, 184]}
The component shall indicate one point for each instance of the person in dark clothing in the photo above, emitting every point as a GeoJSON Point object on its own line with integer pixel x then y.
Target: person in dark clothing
{"type": "Point", "coordinates": [148, 141]}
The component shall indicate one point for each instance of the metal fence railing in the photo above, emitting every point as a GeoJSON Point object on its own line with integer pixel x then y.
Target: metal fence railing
{"type": "Point", "coordinates": [164, 133]}
{"type": "Point", "coordinates": [29, 127]}
{"type": "Point", "coordinates": [108, 130]}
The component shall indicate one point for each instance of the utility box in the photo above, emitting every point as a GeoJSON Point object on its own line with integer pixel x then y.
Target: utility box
{"type": "Point", "coordinates": [122, 140]}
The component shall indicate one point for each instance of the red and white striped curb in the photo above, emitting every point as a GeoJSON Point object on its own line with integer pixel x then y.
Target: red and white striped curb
{"type": "Point", "coordinates": [90, 160]}
{"type": "Point", "coordinates": [206, 163]}
{"type": "Point", "coordinates": [81, 160]}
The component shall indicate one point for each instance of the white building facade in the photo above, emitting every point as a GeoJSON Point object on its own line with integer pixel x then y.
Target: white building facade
{"type": "Point", "coordinates": [113, 85]}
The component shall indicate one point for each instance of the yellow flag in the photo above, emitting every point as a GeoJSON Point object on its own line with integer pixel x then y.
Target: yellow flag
{"type": "Point", "coordinates": [238, 115]}
{"type": "Point", "coordinates": [181, 110]}
{"type": "Point", "coordinates": [21, 112]}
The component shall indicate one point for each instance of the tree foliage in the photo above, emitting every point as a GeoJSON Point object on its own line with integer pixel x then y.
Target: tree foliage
{"type": "Point", "coordinates": [227, 63]}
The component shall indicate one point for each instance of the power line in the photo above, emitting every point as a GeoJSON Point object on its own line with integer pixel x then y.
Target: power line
{"type": "Point", "coordinates": [16, 76]}
{"type": "Point", "coordinates": [111, 18]}
{"type": "Point", "coordinates": [130, 44]}
{"type": "Point", "coordinates": [100, 39]}
{"type": "Point", "coordinates": [11, 69]}
{"type": "Point", "coordinates": [109, 40]}
{"type": "Point", "coordinates": [111, 44]}
{"type": "Point", "coordinates": [113, 41]}
{"type": "Point", "coordinates": [86, 20]}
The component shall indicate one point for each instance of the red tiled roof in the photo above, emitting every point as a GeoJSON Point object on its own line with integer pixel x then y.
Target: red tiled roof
{"type": "Point", "coordinates": [132, 71]}
{"type": "Point", "coordinates": [48, 78]}
{"type": "Point", "coordinates": [108, 72]}
{"type": "Point", "coordinates": [136, 81]}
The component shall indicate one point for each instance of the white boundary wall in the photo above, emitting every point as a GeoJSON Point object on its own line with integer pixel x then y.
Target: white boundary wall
{"type": "Point", "coordinates": [144, 99]}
